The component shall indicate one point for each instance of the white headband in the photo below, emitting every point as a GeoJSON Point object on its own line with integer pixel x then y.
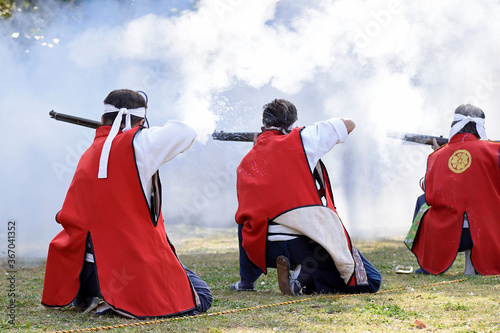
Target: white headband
{"type": "Point", "coordinates": [139, 112]}
{"type": "Point", "coordinates": [108, 108]}
{"type": "Point", "coordinates": [464, 120]}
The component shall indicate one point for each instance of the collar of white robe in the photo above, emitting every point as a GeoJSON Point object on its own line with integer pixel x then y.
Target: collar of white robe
{"type": "Point", "coordinates": [288, 130]}
{"type": "Point", "coordinates": [464, 120]}
{"type": "Point", "coordinates": [139, 112]}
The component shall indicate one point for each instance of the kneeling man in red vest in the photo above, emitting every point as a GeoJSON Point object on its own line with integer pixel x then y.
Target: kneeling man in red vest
{"type": "Point", "coordinates": [114, 253]}
{"type": "Point", "coordinates": [459, 210]}
{"type": "Point", "coordinates": [286, 215]}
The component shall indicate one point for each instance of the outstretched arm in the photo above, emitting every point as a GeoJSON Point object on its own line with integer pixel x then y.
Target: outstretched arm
{"type": "Point", "coordinates": [322, 136]}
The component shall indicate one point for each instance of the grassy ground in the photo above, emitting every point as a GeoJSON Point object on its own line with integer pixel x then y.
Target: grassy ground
{"type": "Point", "coordinates": [445, 303]}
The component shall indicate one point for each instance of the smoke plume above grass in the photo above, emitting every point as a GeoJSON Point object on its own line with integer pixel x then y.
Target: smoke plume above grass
{"type": "Point", "coordinates": [389, 65]}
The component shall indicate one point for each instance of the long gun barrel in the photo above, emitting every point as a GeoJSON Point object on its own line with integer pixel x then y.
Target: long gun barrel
{"type": "Point", "coordinates": [419, 138]}
{"type": "Point", "coordinates": [74, 120]}
{"type": "Point", "coordinates": [424, 139]}
{"type": "Point", "coordinates": [223, 136]}
{"type": "Point", "coordinates": [234, 136]}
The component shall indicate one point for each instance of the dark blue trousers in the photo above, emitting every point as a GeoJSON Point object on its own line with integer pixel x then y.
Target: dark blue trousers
{"type": "Point", "coordinates": [248, 270]}
{"type": "Point", "coordinates": [202, 290]}
{"type": "Point", "coordinates": [318, 272]}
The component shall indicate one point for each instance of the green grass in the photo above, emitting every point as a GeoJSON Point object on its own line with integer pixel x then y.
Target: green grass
{"type": "Point", "coordinates": [462, 305]}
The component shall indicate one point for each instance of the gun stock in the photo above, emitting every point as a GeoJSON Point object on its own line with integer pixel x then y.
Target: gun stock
{"type": "Point", "coordinates": [234, 136]}
{"type": "Point", "coordinates": [74, 120]}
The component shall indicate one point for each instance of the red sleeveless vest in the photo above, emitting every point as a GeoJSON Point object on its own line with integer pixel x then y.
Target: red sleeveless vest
{"type": "Point", "coordinates": [274, 177]}
{"type": "Point", "coordinates": [462, 176]}
{"type": "Point", "coordinates": [138, 270]}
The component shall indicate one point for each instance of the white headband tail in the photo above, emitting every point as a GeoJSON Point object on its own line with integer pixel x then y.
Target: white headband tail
{"type": "Point", "coordinates": [139, 112]}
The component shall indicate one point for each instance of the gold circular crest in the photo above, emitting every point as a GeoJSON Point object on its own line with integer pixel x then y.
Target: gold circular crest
{"type": "Point", "coordinates": [460, 161]}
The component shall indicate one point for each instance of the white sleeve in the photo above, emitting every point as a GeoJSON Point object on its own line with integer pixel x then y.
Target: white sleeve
{"type": "Point", "coordinates": [156, 146]}
{"type": "Point", "coordinates": [321, 137]}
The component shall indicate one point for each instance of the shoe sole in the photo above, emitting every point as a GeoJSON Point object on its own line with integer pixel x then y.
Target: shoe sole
{"type": "Point", "coordinates": [93, 305]}
{"type": "Point", "coordinates": [283, 268]}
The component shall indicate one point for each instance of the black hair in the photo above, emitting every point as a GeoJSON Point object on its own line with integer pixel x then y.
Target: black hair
{"type": "Point", "coordinates": [279, 113]}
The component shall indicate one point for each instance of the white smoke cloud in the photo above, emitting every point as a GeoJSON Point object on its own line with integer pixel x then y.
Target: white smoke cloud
{"type": "Point", "coordinates": [387, 64]}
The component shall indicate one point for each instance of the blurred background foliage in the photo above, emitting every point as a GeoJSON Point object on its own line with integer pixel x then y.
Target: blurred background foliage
{"type": "Point", "coordinates": [9, 8]}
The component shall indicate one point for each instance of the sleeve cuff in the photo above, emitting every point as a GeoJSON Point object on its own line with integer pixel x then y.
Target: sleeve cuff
{"type": "Point", "coordinates": [340, 128]}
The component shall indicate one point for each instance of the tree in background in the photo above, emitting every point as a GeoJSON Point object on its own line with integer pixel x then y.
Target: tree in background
{"type": "Point", "coordinates": [9, 7]}
{"type": "Point", "coordinates": [26, 20]}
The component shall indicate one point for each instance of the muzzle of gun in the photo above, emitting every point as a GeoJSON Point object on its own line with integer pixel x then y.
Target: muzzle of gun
{"type": "Point", "coordinates": [74, 120]}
